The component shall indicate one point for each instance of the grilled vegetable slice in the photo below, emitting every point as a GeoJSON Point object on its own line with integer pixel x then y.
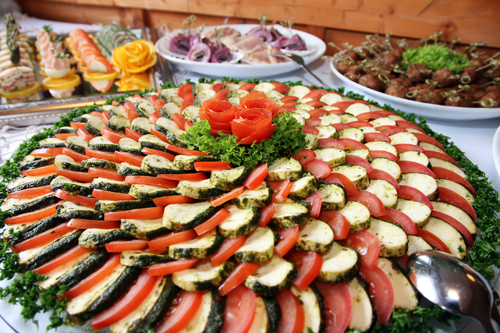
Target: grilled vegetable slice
{"type": "Point", "coordinates": [356, 174]}
{"type": "Point", "coordinates": [416, 243]}
{"type": "Point", "coordinates": [118, 124]}
{"type": "Point", "coordinates": [449, 235]}
{"type": "Point", "coordinates": [259, 197]}
{"type": "Point", "coordinates": [142, 258]}
{"type": "Point", "coordinates": [384, 191]}
{"type": "Point", "coordinates": [393, 240]}
{"type": "Point", "coordinates": [382, 145]}
{"type": "Point", "coordinates": [127, 169]}
{"type": "Point", "coordinates": [61, 182]}
{"type": "Point", "coordinates": [288, 214]}
{"type": "Point", "coordinates": [23, 183]}
{"type": "Point", "coordinates": [405, 296]}
{"type": "Point", "coordinates": [312, 141]}
{"type": "Point", "coordinates": [20, 232]}
{"type": "Point", "coordinates": [141, 125]}
{"type": "Point", "coordinates": [340, 263]}
{"type": "Point", "coordinates": [192, 113]}
{"type": "Point", "coordinates": [106, 206]}
{"type": "Point", "coordinates": [271, 276]}
{"type": "Point", "coordinates": [210, 315]}
{"type": "Point", "coordinates": [172, 132]}
{"type": "Point", "coordinates": [457, 188]}
{"type": "Point", "coordinates": [258, 247]}
{"type": "Point", "coordinates": [416, 211]}
{"type": "Point", "coordinates": [117, 110]}
{"type": "Point", "coordinates": [201, 190]}
{"type": "Point", "coordinates": [352, 133]}
{"type": "Point", "coordinates": [314, 308]}
{"type": "Point", "coordinates": [151, 141]}
{"type": "Point", "coordinates": [239, 222]}
{"type": "Point", "coordinates": [414, 156]}
{"type": "Point", "coordinates": [168, 110]}
{"type": "Point", "coordinates": [364, 315]}
{"type": "Point", "coordinates": [69, 210]}
{"type": "Point", "coordinates": [101, 143]}
{"type": "Point", "coordinates": [66, 162]}
{"type": "Point", "coordinates": [357, 215]}
{"type": "Point", "coordinates": [333, 196]}
{"type": "Point", "coordinates": [65, 130]}
{"type": "Point", "coordinates": [110, 185]}
{"type": "Point", "coordinates": [363, 153]}
{"type": "Point", "coordinates": [144, 229]}
{"type": "Point", "coordinates": [180, 217]}
{"type": "Point", "coordinates": [457, 213]}
{"type": "Point", "coordinates": [34, 162]}
{"type": "Point", "coordinates": [155, 164]}
{"type": "Point", "coordinates": [199, 247]}
{"type": "Point", "coordinates": [186, 162]}
{"type": "Point", "coordinates": [51, 143]}
{"type": "Point", "coordinates": [145, 108]}
{"type": "Point", "coordinates": [148, 192]}
{"type": "Point", "coordinates": [314, 235]}
{"type": "Point", "coordinates": [388, 166]}
{"type": "Point", "coordinates": [100, 237]}
{"type": "Point", "coordinates": [425, 183]}
{"type": "Point", "coordinates": [304, 187]}
{"type": "Point", "coordinates": [20, 206]}
{"type": "Point", "coordinates": [226, 180]}
{"type": "Point", "coordinates": [203, 276]}
{"type": "Point", "coordinates": [284, 168]}
{"type": "Point", "coordinates": [95, 125]}
{"type": "Point", "coordinates": [403, 137]}
{"type": "Point", "coordinates": [98, 163]}
{"type": "Point", "coordinates": [326, 131]}
{"type": "Point", "coordinates": [333, 156]}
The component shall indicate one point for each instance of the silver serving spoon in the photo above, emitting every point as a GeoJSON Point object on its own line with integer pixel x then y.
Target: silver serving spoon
{"type": "Point", "coordinates": [454, 286]}
{"type": "Point", "coordinates": [299, 60]}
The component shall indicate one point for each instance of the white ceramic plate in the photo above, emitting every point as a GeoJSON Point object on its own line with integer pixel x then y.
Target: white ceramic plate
{"type": "Point", "coordinates": [431, 111]}
{"type": "Point", "coordinates": [245, 70]}
{"type": "Point", "coordinates": [496, 150]}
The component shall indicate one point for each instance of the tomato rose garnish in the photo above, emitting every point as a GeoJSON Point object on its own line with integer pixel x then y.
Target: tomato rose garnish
{"type": "Point", "coordinates": [250, 121]}
{"type": "Point", "coordinates": [259, 100]}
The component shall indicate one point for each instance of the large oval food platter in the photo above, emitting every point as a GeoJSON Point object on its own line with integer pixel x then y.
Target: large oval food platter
{"type": "Point", "coordinates": [143, 219]}
{"type": "Point", "coordinates": [244, 70]}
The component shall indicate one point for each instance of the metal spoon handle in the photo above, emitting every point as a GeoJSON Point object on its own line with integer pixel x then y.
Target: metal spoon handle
{"type": "Point", "coordinates": [317, 78]}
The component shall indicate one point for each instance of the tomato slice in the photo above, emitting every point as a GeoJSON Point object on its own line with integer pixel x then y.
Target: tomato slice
{"type": "Point", "coordinates": [285, 99]}
{"type": "Point", "coordinates": [403, 261]}
{"type": "Point", "coordinates": [43, 238]}
{"type": "Point", "coordinates": [337, 221]}
{"type": "Point", "coordinates": [103, 155]}
{"type": "Point", "coordinates": [359, 124]}
{"type": "Point", "coordinates": [377, 137]}
{"type": "Point", "coordinates": [85, 135]}
{"type": "Point", "coordinates": [338, 305]}
{"type": "Point", "coordinates": [451, 197]}
{"type": "Point", "coordinates": [127, 303]}
{"type": "Point", "coordinates": [47, 152]}
{"type": "Point", "coordinates": [227, 249]}
{"type": "Point", "coordinates": [281, 189]}
{"type": "Point", "coordinates": [319, 168]}
{"type": "Point", "coordinates": [309, 129]}
{"type": "Point", "coordinates": [256, 177]}
{"type": "Point", "coordinates": [31, 192]}
{"type": "Point", "coordinates": [39, 171]}
{"type": "Point", "coordinates": [64, 136]}
{"type": "Point", "coordinates": [188, 100]}
{"type": "Point", "coordinates": [150, 151]}
{"type": "Point", "coordinates": [74, 155]}
{"type": "Point", "coordinates": [383, 154]}
{"type": "Point", "coordinates": [171, 267]}
{"type": "Point", "coordinates": [64, 258]}
{"type": "Point", "coordinates": [308, 264]}
{"type": "Point", "coordinates": [143, 213]}
{"type": "Point", "coordinates": [171, 239]}
{"type": "Point", "coordinates": [111, 135]}
{"type": "Point", "coordinates": [212, 222]}
{"type": "Point", "coordinates": [367, 244]}
{"type": "Point", "coordinates": [374, 205]}
{"type": "Point", "coordinates": [184, 151]}
{"type": "Point", "coordinates": [453, 176]}
{"type": "Point", "coordinates": [442, 156]}
{"type": "Point", "coordinates": [131, 110]}
{"type": "Point", "coordinates": [94, 278]}
{"type": "Point", "coordinates": [356, 160]}
{"type": "Point", "coordinates": [185, 89]}
{"type": "Point", "coordinates": [315, 204]}
{"type": "Point", "coordinates": [93, 224]}
{"type": "Point", "coordinates": [188, 124]}
{"type": "Point", "coordinates": [411, 193]}
{"type": "Point", "coordinates": [404, 147]}
{"type": "Point", "coordinates": [156, 115]}
{"type": "Point", "coordinates": [153, 98]}
{"type": "Point", "coordinates": [331, 143]}
{"type": "Point", "coordinates": [369, 116]}
{"type": "Point", "coordinates": [173, 199]}
{"type": "Point", "coordinates": [227, 196]}
{"type": "Point", "coordinates": [179, 120]}
{"type": "Point", "coordinates": [455, 224]}
{"type": "Point", "coordinates": [383, 175]}
{"type": "Point", "coordinates": [304, 156]}
{"type": "Point", "coordinates": [390, 129]}
{"type": "Point", "coordinates": [266, 214]}
{"type": "Point", "coordinates": [75, 175]}
{"type": "Point", "coordinates": [222, 94]}
{"type": "Point", "coordinates": [407, 124]}
{"type": "Point", "coordinates": [158, 104]}
{"type": "Point", "coordinates": [77, 125]}
{"type": "Point", "coordinates": [133, 134]}
{"type": "Point", "coordinates": [159, 135]}
{"type": "Point", "coordinates": [313, 122]}
{"type": "Point", "coordinates": [105, 117]}
{"type": "Point", "coordinates": [281, 87]}
{"type": "Point", "coordinates": [316, 104]}
{"type": "Point", "coordinates": [400, 218]}
{"type": "Point", "coordinates": [293, 320]}
{"type": "Point", "coordinates": [381, 291]}
{"type": "Point", "coordinates": [185, 176]}
{"type": "Point", "coordinates": [107, 195]}
{"type": "Point", "coordinates": [179, 317]}
{"type": "Point", "coordinates": [105, 173]}
{"type": "Point", "coordinates": [247, 86]}
{"type": "Point", "coordinates": [288, 238]}
{"type": "Point", "coordinates": [352, 144]}
{"type": "Point", "coordinates": [428, 139]}
{"type": "Point", "coordinates": [258, 136]}
{"type": "Point", "coordinates": [154, 181]}
{"type": "Point", "coordinates": [129, 158]}
{"type": "Point", "coordinates": [212, 166]}
{"type": "Point", "coordinates": [131, 245]}
{"type": "Point", "coordinates": [341, 126]}
{"type": "Point", "coordinates": [33, 216]}
{"type": "Point", "coordinates": [237, 276]}
{"type": "Point", "coordinates": [76, 199]}
{"type": "Point", "coordinates": [316, 113]}
{"type": "Point", "coordinates": [432, 239]}
{"type": "Point", "coordinates": [410, 166]}
{"type": "Point", "coordinates": [240, 310]}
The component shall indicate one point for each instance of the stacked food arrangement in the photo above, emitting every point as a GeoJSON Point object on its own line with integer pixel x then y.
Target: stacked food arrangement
{"type": "Point", "coordinates": [236, 207]}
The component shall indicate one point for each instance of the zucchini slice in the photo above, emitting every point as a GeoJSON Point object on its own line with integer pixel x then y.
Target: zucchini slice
{"type": "Point", "coordinates": [384, 191]}
{"type": "Point", "coordinates": [288, 214]}
{"type": "Point", "coordinates": [239, 222]}
{"type": "Point", "coordinates": [314, 235]}
{"type": "Point", "coordinates": [382, 145]}
{"type": "Point", "coordinates": [347, 118]}
{"type": "Point", "coordinates": [65, 130]}
{"type": "Point", "coordinates": [332, 156]}
{"type": "Point", "coordinates": [51, 143]}
{"type": "Point", "coordinates": [144, 229]}
{"type": "Point", "coordinates": [95, 125]}
{"type": "Point", "coordinates": [117, 110]}
{"type": "Point", "coordinates": [416, 211]}
{"type": "Point", "coordinates": [393, 240]}
{"type": "Point", "coordinates": [192, 113]}
{"type": "Point", "coordinates": [151, 141]}
{"type": "Point", "coordinates": [61, 182]}
{"type": "Point", "coordinates": [186, 162]}
{"type": "Point", "coordinates": [331, 98]}
{"type": "Point", "coordinates": [203, 276]}
{"type": "Point", "coordinates": [330, 119]}
{"type": "Point", "coordinates": [141, 125]}
{"type": "Point", "coordinates": [414, 156]}
{"type": "Point", "coordinates": [180, 217]}
{"type": "Point", "coordinates": [101, 143]}
{"type": "Point", "coordinates": [340, 263]}
{"type": "Point", "coordinates": [457, 213]}
{"type": "Point", "coordinates": [449, 235]}
{"type": "Point", "coordinates": [264, 87]}
{"type": "Point", "coordinates": [106, 206]}
{"type": "Point", "coordinates": [210, 315]}
{"type": "Point", "coordinates": [421, 181]}
{"type": "Point", "coordinates": [145, 108]}
{"type": "Point", "coordinates": [388, 166]}
{"type": "Point", "coordinates": [226, 180]}
{"type": "Point", "coordinates": [405, 296]}
{"type": "Point", "coordinates": [110, 185]}
{"type": "Point", "coordinates": [357, 215]}
{"type": "Point", "coordinates": [352, 133]}
{"type": "Point", "coordinates": [67, 163]}
{"type": "Point", "coordinates": [356, 109]}
{"type": "Point", "coordinates": [155, 164]}
{"type": "Point", "coordinates": [199, 247]}
{"type": "Point", "coordinates": [298, 91]}
{"type": "Point", "coordinates": [20, 206]}
{"type": "Point", "coordinates": [459, 189]}
{"type": "Point", "coordinates": [357, 174]}
{"type": "Point", "coordinates": [82, 119]}
{"type": "Point", "coordinates": [100, 237]}
{"type": "Point", "coordinates": [126, 169]}
{"type": "Point", "coordinates": [203, 96]}
{"type": "Point", "coordinates": [261, 320]}
{"type": "Point", "coordinates": [33, 162]}
{"type": "Point", "coordinates": [314, 308]}
{"type": "Point", "coordinates": [363, 153]}
{"type": "Point", "coordinates": [168, 110]}
{"type": "Point", "coordinates": [403, 137]}
{"type": "Point", "coordinates": [333, 196]}
{"type": "Point", "coordinates": [142, 258]}
{"type": "Point", "coordinates": [18, 233]}
{"type": "Point", "coordinates": [272, 276]}
{"type": "Point", "coordinates": [312, 141]}
{"type": "Point", "coordinates": [362, 305]}
{"type": "Point", "coordinates": [260, 197]}
{"type": "Point", "coordinates": [69, 210]}
{"type": "Point", "coordinates": [303, 187]}
{"type": "Point", "coordinates": [283, 169]}
{"type": "Point", "coordinates": [382, 121]}
{"type": "Point", "coordinates": [431, 147]}
{"type": "Point", "coordinates": [200, 190]}
{"type": "Point", "coordinates": [171, 131]}
{"type": "Point", "coordinates": [416, 243]}
{"type": "Point", "coordinates": [149, 192]}
{"type": "Point", "coordinates": [23, 183]}
{"type": "Point", "coordinates": [258, 247]}
{"type": "Point", "coordinates": [166, 94]}
{"type": "Point", "coordinates": [98, 163]}
{"type": "Point", "coordinates": [118, 124]}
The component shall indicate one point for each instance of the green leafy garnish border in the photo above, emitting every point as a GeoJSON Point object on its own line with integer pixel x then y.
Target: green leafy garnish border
{"type": "Point", "coordinates": [23, 289]}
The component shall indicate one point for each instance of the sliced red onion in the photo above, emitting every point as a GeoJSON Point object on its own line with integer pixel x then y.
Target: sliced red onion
{"type": "Point", "coordinates": [194, 40]}
{"type": "Point", "coordinates": [200, 53]}
{"type": "Point", "coordinates": [180, 44]}
{"type": "Point", "coordinates": [277, 43]}
{"type": "Point", "coordinates": [295, 43]}
{"type": "Point", "coordinates": [221, 55]}
{"type": "Point", "coordinates": [275, 33]}
{"type": "Point", "coordinates": [259, 32]}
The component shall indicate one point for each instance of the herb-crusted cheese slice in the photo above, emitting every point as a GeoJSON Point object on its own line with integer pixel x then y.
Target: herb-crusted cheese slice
{"type": "Point", "coordinates": [179, 217]}
{"type": "Point", "coordinates": [239, 222]}
{"type": "Point", "coordinates": [288, 214]}
{"type": "Point", "coordinates": [271, 276]}
{"type": "Point", "coordinates": [258, 197]}
{"type": "Point", "coordinates": [284, 168]}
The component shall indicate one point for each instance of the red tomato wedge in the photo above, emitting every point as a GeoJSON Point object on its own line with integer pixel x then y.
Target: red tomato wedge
{"type": "Point", "coordinates": [127, 303]}
{"type": "Point", "coordinates": [315, 204]}
{"type": "Point", "coordinates": [227, 249]}
{"type": "Point", "coordinates": [171, 239]}
{"type": "Point", "coordinates": [131, 111]}
{"type": "Point", "coordinates": [352, 144]}
{"type": "Point", "coordinates": [103, 155]}
{"type": "Point", "coordinates": [316, 104]}
{"type": "Point", "coordinates": [222, 95]}
{"type": "Point", "coordinates": [369, 116]}
{"type": "Point", "coordinates": [266, 214]}
{"type": "Point", "coordinates": [358, 124]}
{"type": "Point", "coordinates": [404, 147]}
{"type": "Point", "coordinates": [367, 244]}
{"type": "Point", "coordinates": [331, 143]}
{"type": "Point", "coordinates": [105, 173]}
{"type": "Point", "coordinates": [173, 199]}
{"type": "Point", "coordinates": [43, 238]}
{"type": "Point", "coordinates": [75, 175]}
{"type": "Point", "coordinates": [411, 193]}
{"type": "Point", "coordinates": [390, 129]}
{"type": "Point", "coordinates": [281, 87]}
{"type": "Point", "coordinates": [451, 197]}
{"type": "Point", "coordinates": [434, 240]}
{"type": "Point", "coordinates": [455, 224]}
{"type": "Point", "coordinates": [309, 129]}
{"type": "Point", "coordinates": [281, 189]}
{"type": "Point", "coordinates": [153, 98]}
{"type": "Point", "coordinates": [154, 181]}
{"type": "Point", "coordinates": [450, 175]}
{"type": "Point", "coordinates": [85, 135]}
{"type": "Point", "coordinates": [94, 278]}
{"type": "Point", "coordinates": [308, 264]}
{"type": "Point", "coordinates": [111, 135]}
{"type": "Point", "coordinates": [428, 139]}
{"type": "Point", "coordinates": [185, 310]}
{"type": "Point", "coordinates": [31, 192]}
{"type": "Point", "coordinates": [188, 124]}
{"type": "Point", "coordinates": [184, 151]}
{"type": "Point", "coordinates": [304, 156]}
{"type": "Point", "coordinates": [105, 117]}
{"type": "Point", "coordinates": [400, 218]}
{"type": "Point", "coordinates": [33, 216]}
{"type": "Point", "coordinates": [179, 120]}
{"type": "Point", "coordinates": [407, 124]}
{"type": "Point", "coordinates": [74, 155]}
{"type": "Point", "coordinates": [47, 152]}
{"type": "Point", "coordinates": [403, 261]}
{"type": "Point", "coordinates": [356, 160]}
{"type": "Point", "coordinates": [133, 134]}
{"type": "Point", "coordinates": [159, 135]}
{"type": "Point", "coordinates": [156, 115]}
{"type": "Point", "coordinates": [293, 320]}
{"type": "Point", "coordinates": [237, 276]}
{"type": "Point", "coordinates": [212, 166]}
{"type": "Point", "coordinates": [341, 126]}
{"type": "Point", "coordinates": [337, 221]}
{"type": "Point", "coordinates": [383, 154]}
{"type": "Point", "coordinates": [373, 203]}
{"type": "Point", "coordinates": [39, 171]}
{"type": "Point", "coordinates": [381, 291]}
{"type": "Point", "coordinates": [107, 195]}
{"type": "Point", "coordinates": [158, 104]}
{"type": "Point", "coordinates": [410, 166]}
{"type": "Point", "coordinates": [442, 156]}
{"type": "Point", "coordinates": [64, 258]}
{"type": "Point", "coordinates": [143, 213]}
{"type": "Point", "coordinates": [129, 158]}
{"type": "Point", "coordinates": [185, 176]}
{"type": "Point", "coordinates": [227, 196]}
{"type": "Point", "coordinates": [316, 113]}
{"type": "Point", "coordinates": [212, 222]}
{"type": "Point", "coordinates": [64, 136]}
{"type": "Point", "coordinates": [343, 105]}
{"type": "Point", "coordinates": [256, 177]}
{"type": "Point", "coordinates": [319, 168]}
{"type": "Point", "coordinates": [171, 267]}
{"type": "Point", "coordinates": [93, 224]}
{"type": "Point", "coordinates": [130, 245]}
{"type": "Point", "coordinates": [288, 238]}
{"type": "Point", "coordinates": [240, 310]}
{"type": "Point", "coordinates": [377, 137]}
{"type": "Point", "coordinates": [150, 151]}
{"type": "Point", "coordinates": [285, 99]}
{"type": "Point", "coordinates": [313, 122]}
{"type": "Point", "coordinates": [315, 94]}
{"type": "Point", "coordinates": [184, 89]}
{"type": "Point", "coordinates": [77, 125]}
{"type": "Point", "coordinates": [338, 305]}
{"type": "Point", "coordinates": [247, 86]}
{"type": "Point", "coordinates": [188, 100]}
{"type": "Point", "coordinates": [76, 199]}
{"type": "Point", "coordinates": [383, 175]}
